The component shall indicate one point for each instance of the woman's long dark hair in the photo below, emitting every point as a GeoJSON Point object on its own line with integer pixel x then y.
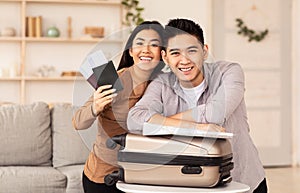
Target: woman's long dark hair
{"type": "Point", "coordinates": [126, 60]}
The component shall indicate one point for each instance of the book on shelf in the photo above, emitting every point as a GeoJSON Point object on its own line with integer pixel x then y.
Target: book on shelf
{"type": "Point", "coordinates": [38, 26]}
{"type": "Point", "coordinates": [34, 26]}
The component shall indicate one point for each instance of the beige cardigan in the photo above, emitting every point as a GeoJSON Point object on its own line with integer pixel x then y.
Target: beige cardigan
{"type": "Point", "coordinates": [111, 122]}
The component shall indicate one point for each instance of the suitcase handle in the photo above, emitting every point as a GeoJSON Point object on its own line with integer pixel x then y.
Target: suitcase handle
{"type": "Point", "coordinates": [111, 179]}
{"type": "Point", "coordinates": [191, 170]}
{"type": "Point", "coordinates": [111, 143]}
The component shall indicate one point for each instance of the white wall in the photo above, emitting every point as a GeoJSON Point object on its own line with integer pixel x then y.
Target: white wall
{"type": "Point", "coordinates": [201, 12]}
{"type": "Point", "coordinates": [163, 10]}
{"type": "Point", "coordinates": [296, 80]}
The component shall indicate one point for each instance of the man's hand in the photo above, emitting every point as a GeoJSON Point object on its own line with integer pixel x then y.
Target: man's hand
{"type": "Point", "coordinates": [210, 127]}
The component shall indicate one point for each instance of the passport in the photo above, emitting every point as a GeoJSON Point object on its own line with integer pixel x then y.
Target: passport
{"type": "Point", "coordinates": [98, 71]}
{"type": "Point", "coordinates": [107, 74]}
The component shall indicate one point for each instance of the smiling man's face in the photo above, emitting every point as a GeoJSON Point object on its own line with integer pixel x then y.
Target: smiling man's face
{"type": "Point", "coordinates": [185, 56]}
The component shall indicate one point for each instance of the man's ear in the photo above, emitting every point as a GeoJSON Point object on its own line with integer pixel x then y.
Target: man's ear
{"type": "Point", "coordinates": [164, 56]}
{"type": "Point", "coordinates": [205, 51]}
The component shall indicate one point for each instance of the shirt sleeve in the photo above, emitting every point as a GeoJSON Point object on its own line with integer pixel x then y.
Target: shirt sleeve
{"type": "Point", "coordinates": [149, 105]}
{"type": "Point", "coordinates": [83, 117]}
{"type": "Point", "coordinates": [227, 94]}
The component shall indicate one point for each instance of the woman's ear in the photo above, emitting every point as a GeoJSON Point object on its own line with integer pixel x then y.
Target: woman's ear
{"type": "Point", "coordinates": [130, 52]}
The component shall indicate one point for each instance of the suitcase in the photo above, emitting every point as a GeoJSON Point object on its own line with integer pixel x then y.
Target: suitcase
{"type": "Point", "coordinates": [172, 160]}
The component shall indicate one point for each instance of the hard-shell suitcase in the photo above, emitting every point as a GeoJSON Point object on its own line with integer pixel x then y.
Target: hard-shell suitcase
{"type": "Point", "coordinates": [172, 160]}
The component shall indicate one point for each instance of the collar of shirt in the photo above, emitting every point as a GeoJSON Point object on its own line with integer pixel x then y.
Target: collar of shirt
{"type": "Point", "coordinates": [174, 82]}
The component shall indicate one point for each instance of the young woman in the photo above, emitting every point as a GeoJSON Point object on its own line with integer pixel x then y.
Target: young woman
{"type": "Point", "coordinates": [140, 62]}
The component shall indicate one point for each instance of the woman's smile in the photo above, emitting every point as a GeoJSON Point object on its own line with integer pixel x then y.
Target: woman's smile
{"type": "Point", "coordinates": [145, 59]}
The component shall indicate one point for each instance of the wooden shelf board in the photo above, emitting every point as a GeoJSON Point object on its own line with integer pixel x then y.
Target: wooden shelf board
{"type": "Point", "coordinates": [10, 78]}
{"type": "Point", "coordinates": [68, 40]}
{"type": "Point", "coordinates": [101, 2]}
{"type": "Point", "coordinates": [11, 39]}
{"type": "Point", "coordinates": [59, 78]}
{"type": "Point", "coordinates": [10, 0]}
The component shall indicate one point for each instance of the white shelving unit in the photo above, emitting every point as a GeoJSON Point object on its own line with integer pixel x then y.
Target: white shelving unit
{"type": "Point", "coordinates": [21, 56]}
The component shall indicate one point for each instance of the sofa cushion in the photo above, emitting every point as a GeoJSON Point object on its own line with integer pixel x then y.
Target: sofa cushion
{"type": "Point", "coordinates": [25, 135]}
{"type": "Point", "coordinates": [74, 178]}
{"type": "Point", "coordinates": [16, 179]}
{"type": "Point", "coordinates": [68, 147]}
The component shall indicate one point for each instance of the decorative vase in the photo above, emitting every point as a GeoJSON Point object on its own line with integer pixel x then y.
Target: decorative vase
{"type": "Point", "coordinates": [53, 32]}
{"type": "Point", "coordinates": [8, 32]}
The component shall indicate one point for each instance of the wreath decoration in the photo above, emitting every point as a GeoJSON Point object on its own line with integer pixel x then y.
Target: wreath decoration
{"type": "Point", "coordinates": [250, 33]}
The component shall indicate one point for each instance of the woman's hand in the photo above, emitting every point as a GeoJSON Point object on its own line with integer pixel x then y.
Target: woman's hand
{"type": "Point", "coordinates": [102, 97]}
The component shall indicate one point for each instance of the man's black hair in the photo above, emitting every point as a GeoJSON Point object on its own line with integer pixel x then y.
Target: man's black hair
{"type": "Point", "coordinates": [183, 26]}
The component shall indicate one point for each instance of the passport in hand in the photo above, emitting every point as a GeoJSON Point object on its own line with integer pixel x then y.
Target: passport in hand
{"type": "Point", "coordinates": [106, 74]}
{"type": "Point", "coordinates": [98, 71]}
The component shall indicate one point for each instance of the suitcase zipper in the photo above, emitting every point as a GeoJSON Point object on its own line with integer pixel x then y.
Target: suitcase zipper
{"type": "Point", "coordinates": [166, 159]}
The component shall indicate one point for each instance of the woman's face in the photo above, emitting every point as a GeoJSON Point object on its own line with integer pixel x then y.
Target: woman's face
{"type": "Point", "coordinates": [145, 50]}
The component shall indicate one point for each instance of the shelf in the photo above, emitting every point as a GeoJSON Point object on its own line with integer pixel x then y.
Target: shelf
{"type": "Point", "coordinates": [10, 39]}
{"type": "Point", "coordinates": [10, 78]}
{"type": "Point", "coordinates": [58, 78]}
{"type": "Point", "coordinates": [100, 2]}
{"type": "Point", "coordinates": [35, 78]}
{"type": "Point", "coordinates": [10, 0]}
{"type": "Point", "coordinates": [68, 40]}
{"type": "Point", "coordinates": [29, 54]}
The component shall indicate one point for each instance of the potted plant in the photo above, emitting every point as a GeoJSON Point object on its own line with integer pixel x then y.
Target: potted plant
{"type": "Point", "coordinates": [133, 12]}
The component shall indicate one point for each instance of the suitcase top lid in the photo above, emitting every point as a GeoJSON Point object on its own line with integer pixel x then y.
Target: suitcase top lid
{"type": "Point", "coordinates": [150, 129]}
{"type": "Point", "coordinates": [178, 145]}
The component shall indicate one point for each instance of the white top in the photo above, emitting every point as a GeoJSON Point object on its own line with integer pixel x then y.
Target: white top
{"type": "Point", "coordinates": [232, 187]}
{"type": "Point", "coordinates": [193, 94]}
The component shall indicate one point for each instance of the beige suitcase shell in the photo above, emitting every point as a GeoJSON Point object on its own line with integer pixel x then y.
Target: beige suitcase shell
{"type": "Point", "coordinates": [173, 160]}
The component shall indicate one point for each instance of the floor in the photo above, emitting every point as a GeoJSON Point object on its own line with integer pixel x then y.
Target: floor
{"type": "Point", "coordinates": [283, 180]}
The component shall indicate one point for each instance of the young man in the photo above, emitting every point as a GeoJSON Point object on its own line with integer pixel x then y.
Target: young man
{"type": "Point", "coordinates": [196, 94]}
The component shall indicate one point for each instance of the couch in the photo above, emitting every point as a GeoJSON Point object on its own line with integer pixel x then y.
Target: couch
{"type": "Point", "coordinates": [40, 152]}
